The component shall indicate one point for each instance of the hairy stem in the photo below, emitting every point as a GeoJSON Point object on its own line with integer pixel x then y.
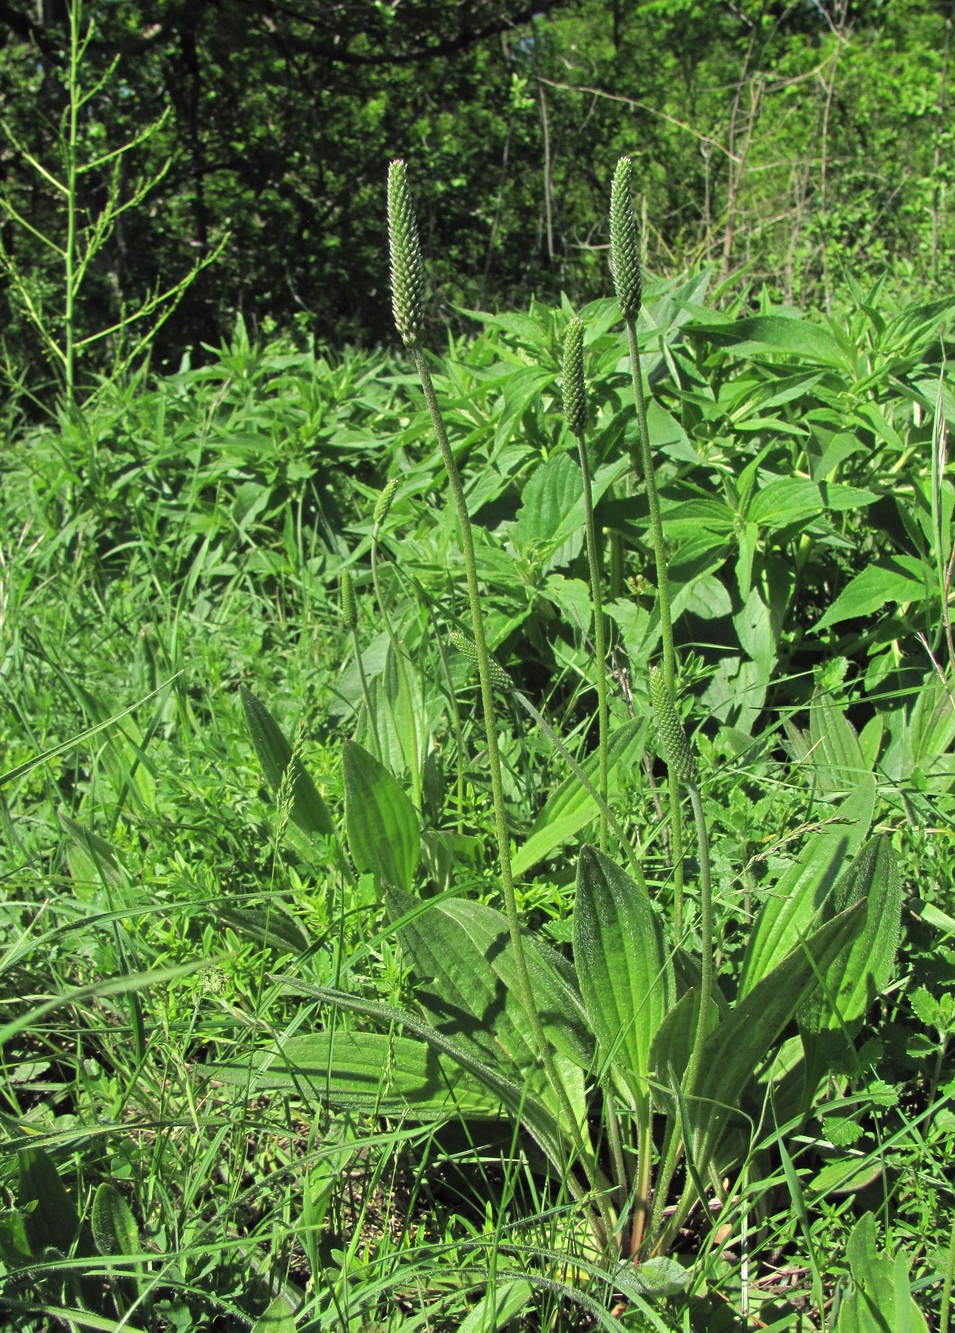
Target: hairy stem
{"type": "Point", "coordinates": [663, 601]}
{"type": "Point", "coordinates": [595, 1176]}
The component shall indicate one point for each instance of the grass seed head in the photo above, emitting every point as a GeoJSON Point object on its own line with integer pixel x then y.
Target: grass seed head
{"type": "Point", "coordinates": [407, 266]}
{"type": "Point", "coordinates": [575, 397]}
{"type": "Point", "coordinates": [624, 241]}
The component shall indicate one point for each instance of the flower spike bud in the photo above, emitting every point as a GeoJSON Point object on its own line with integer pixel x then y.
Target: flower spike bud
{"type": "Point", "coordinates": [349, 609]}
{"type": "Point", "coordinates": [575, 398]}
{"type": "Point", "coordinates": [407, 266]}
{"type": "Point", "coordinates": [624, 241]}
{"type": "Point", "coordinates": [384, 501]}
{"type": "Point", "coordinates": [675, 745]}
{"type": "Point", "coordinates": [464, 645]}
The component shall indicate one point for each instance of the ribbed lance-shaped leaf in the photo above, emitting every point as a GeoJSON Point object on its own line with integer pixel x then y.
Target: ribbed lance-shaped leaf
{"type": "Point", "coordinates": [462, 950]}
{"type": "Point", "coordinates": [309, 811]}
{"type": "Point", "coordinates": [738, 1045]}
{"type": "Point", "coordinates": [881, 1298]}
{"type": "Point", "coordinates": [369, 1072]}
{"type": "Point", "coordinates": [571, 806]}
{"type": "Point", "coordinates": [867, 966]}
{"type": "Point", "coordinates": [515, 1097]}
{"type": "Point", "coordinates": [836, 753]}
{"type": "Point", "coordinates": [381, 822]}
{"type": "Point", "coordinates": [265, 925]}
{"type": "Point", "coordinates": [625, 974]}
{"type": "Point", "coordinates": [671, 1048]}
{"type": "Point", "coordinates": [115, 1233]}
{"type": "Point", "coordinates": [799, 898]}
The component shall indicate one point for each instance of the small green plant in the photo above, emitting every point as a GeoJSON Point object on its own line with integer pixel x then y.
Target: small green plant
{"type": "Point", "coordinates": [637, 1066]}
{"type": "Point", "coordinates": [80, 166]}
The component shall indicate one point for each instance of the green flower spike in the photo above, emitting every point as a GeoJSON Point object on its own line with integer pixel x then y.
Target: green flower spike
{"type": "Point", "coordinates": [469, 649]}
{"type": "Point", "coordinates": [349, 609]}
{"type": "Point", "coordinates": [384, 501]}
{"type": "Point", "coordinates": [675, 745]}
{"type": "Point", "coordinates": [407, 266]}
{"type": "Point", "coordinates": [624, 241]}
{"type": "Point", "coordinates": [575, 399]}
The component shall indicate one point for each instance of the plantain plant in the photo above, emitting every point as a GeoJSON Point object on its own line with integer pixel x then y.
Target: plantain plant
{"type": "Point", "coordinates": [637, 1065]}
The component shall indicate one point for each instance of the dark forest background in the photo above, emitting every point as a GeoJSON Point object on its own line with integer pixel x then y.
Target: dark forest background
{"type": "Point", "coordinates": [794, 144]}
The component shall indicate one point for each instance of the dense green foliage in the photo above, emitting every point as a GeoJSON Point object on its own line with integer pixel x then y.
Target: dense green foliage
{"type": "Point", "coordinates": [195, 533]}
{"type": "Point", "coordinates": [792, 142]}
{"type": "Point", "coordinates": [477, 822]}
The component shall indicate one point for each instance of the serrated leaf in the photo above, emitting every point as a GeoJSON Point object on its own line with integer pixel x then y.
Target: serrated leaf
{"type": "Point", "coordinates": [382, 826]}
{"type": "Point", "coordinates": [623, 966]}
{"type": "Point", "coordinates": [309, 811]}
{"type": "Point", "coordinates": [899, 579]}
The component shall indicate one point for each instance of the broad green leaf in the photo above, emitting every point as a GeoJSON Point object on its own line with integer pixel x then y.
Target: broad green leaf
{"type": "Point", "coordinates": [794, 500]}
{"type": "Point", "coordinates": [115, 1233]}
{"type": "Point", "coordinates": [113, 1224]}
{"type": "Point", "coordinates": [382, 826]}
{"type": "Point", "coordinates": [384, 1073]}
{"type": "Point", "coordinates": [836, 753]}
{"type": "Point", "coordinates": [49, 1213]}
{"type": "Point", "coordinates": [15, 1249]}
{"type": "Point", "coordinates": [570, 807]}
{"type": "Point", "coordinates": [931, 724]}
{"type": "Point", "coordinates": [309, 811]}
{"type": "Point", "coordinates": [881, 1299]}
{"type": "Point", "coordinates": [549, 496]}
{"type": "Point", "coordinates": [278, 1318]}
{"type": "Point", "coordinates": [867, 968]}
{"type": "Point", "coordinates": [496, 1309]}
{"type": "Point", "coordinates": [798, 899]}
{"type": "Point", "coordinates": [399, 708]}
{"type": "Point", "coordinates": [776, 335]}
{"type": "Point", "coordinates": [462, 951]}
{"type": "Point", "coordinates": [899, 579]}
{"type": "Point", "coordinates": [671, 1048]}
{"type": "Point", "coordinates": [623, 966]}
{"type": "Point", "coordinates": [91, 858]}
{"type": "Point", "coordinates": [266, 925]}
{"type": "Point", "coordinates": [537, 1118]}
{"type": "Point", "coordinates": [736, 1048]}
{"type": "Point", "coordinates": [846, 1175]}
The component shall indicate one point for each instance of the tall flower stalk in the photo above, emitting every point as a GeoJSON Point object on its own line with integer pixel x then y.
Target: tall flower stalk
{"type": "Point", "coordinates": [575, 412]}
{"type": "Point", "coordinates": [407, 285]}
{"type": "Point", "coordinates": [625, 264]}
